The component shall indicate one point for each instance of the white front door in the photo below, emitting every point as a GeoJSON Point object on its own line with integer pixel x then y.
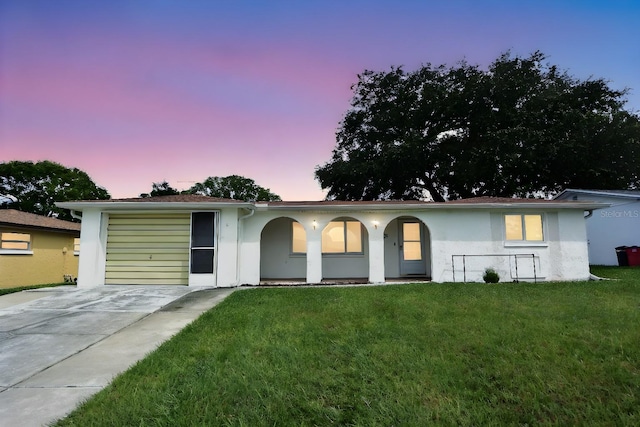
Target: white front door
{"type": "Point", "coordinates": [412, 253]}
{"type": "Point", "coordinates": [202, 258]}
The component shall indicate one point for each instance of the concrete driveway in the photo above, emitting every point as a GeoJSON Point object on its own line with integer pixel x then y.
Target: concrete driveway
{"type": "Point", "coordinates": [59, 346]}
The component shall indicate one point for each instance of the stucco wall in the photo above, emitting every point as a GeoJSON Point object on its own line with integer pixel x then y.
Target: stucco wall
{"type": "Point", "coordinates": [52, 259]}
{"type": "Point", "coordinates": [256, 244]}
{"type": "Point", "coordinates": [618, 225]}
{"type": "Point", "coordinates": [227, 257]}
{"type": "Point", "coordinates": [562, 256]}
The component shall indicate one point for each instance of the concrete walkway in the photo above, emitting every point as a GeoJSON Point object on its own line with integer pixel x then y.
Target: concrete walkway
{"type": "Point", "coordinates": [59, 346]}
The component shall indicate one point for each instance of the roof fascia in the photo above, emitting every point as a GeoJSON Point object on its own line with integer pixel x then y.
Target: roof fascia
{"type": "Point", "coordinates": [434, 206]}
{"type": "Point", "coordinates": [187, 206]}
{"type": "Point", "coordinates": [597, 193]}
{"type": "Point", "coordinates": [150, 206]}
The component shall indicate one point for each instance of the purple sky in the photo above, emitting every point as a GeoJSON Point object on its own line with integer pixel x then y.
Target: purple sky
{"type": "Point", "coordinates": [135, 92]}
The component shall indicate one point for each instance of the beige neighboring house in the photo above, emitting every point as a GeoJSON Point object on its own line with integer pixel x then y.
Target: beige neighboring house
{"type": "Point", "coordinates": [35, 249]}
{"type": "Point", "coordinates": [202, 241]}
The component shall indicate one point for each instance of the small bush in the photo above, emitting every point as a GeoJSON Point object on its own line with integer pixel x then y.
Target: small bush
{"type": "Point", "coordinates": [490, 276]}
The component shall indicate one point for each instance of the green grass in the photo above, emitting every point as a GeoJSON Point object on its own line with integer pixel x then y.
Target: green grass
{"type": "Point", "coordinates": [422, 354]}
{"type": "Point", "coordinates": [4, 291]}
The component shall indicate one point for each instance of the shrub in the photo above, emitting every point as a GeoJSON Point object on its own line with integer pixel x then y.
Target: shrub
{"type": "Point", "coordinates": [490, 276]}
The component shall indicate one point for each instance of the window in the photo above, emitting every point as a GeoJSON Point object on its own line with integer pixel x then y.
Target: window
{"type": "Point", "coordinates": [523, 228]}
{"type": "Point", "coordinates": [76, 246]}
{"type": "Point", "coordinates": [202, 242]}
{"type": "Point", "coordinates": [338, 237]}
{"type": "Point", "coordinates": [299, 238]}
{"type": "Point", "coordinates": [15, 241]}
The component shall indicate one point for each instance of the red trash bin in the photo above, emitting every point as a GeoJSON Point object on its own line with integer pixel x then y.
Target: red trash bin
{"type": "Point", "coordinates": [633, 255]}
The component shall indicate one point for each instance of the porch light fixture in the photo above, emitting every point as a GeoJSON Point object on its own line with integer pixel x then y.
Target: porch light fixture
{"type": "Point", "coordinates": [375, 224]}
{"type": "Point", "coordinates": [315, 224]}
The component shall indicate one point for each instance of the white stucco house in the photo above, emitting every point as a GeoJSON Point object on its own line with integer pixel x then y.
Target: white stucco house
{"type": "Point", "coordinates": [202, 241]}
{"type": "Point", "coordinates": [611, 227]}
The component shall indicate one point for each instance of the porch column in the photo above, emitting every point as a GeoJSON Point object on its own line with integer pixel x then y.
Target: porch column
{"type": "Point", "coordinates": [314, 257]}
{"type": "Point", "coordinates": [92, 262]}
{"type": "Point", "coordinates": [376, 256]}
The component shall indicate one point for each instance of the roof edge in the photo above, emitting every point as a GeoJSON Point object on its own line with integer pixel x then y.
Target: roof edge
{"type": "Point", "coordinates": [346, 206]}
{"type": "Point", "coordinates": [610, 193]}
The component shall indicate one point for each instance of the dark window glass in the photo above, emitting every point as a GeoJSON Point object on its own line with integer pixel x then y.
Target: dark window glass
{"type": "Point", "coordinates": [202, 233]}
{"type": "Point", "coordinates": [202, 261]}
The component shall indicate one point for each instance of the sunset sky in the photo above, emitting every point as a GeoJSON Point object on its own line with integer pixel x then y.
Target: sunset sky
{"type": "Point", "coordinates": [135, 92]}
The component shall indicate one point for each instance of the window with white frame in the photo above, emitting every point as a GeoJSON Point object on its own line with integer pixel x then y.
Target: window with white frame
{"type": "Point", "coordinates": [523, 227]}
{"type": "Point", "coordinates": [15, 241]}
{"type": "Point", "coordinates": [338, 237]}
{"type": "Point", "coordinates": [342, 237]}
{"type": "Point", "coordinates": [76, 246]}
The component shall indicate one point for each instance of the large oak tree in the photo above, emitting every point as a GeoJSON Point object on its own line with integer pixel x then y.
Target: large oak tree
{"type": "Point", "coordinates": [36, 187]}
{"type": "Point", "coordinates": [521, 127]}
{"type": "Point", "coordinates": [233, 187]}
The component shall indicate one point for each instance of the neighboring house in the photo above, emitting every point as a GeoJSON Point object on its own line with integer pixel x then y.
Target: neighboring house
{"type": "Point", "coordinates": [614, 226]}
{"type": "Point", "coordinates": [203, 241]}
{"type": "Point", "coordinates": [35, 249]}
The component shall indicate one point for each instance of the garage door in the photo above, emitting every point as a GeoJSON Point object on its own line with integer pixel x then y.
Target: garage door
{"type": "Point", "coordinates": [148, 249]}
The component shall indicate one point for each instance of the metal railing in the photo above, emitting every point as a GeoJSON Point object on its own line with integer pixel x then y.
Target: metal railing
{"type": "Point", "coordinates": [515, 256]}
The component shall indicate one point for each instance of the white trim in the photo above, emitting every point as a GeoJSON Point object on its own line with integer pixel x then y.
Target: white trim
{"type": "Point", "coordinates": [524, 244]}
{"type": "Point", "coordinates": [16, 252]}
{"type": "Point", "coordinates": [205, 279]}
{"type": "Point", "coordinates": [565, 194]}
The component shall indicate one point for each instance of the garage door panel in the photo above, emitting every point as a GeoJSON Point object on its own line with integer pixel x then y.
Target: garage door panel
{"type": "Point", "coordinates": [159, 240]}
{"type": "Point", "coordinates": [153, 264]}
{"type": "Point", "coordinates": [146, 281]}
{"type": "Point", "coordinates": [148, 249]}
{"type": "Point", "coordinates": [121, 233]}
{"type": "Point", "coordinates": [143, 255]}
{"type": "Point", "coordinates": [153, 274]}
{"type": "Point", "coordinates": [147, 221]}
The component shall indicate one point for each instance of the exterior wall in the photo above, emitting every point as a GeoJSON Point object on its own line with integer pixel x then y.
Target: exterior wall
{"type": "Point", "coordinates": [256, 244]}
{"type": "Point", "coordinates": [562, 256]}
{"type": "Point", "coordinates": [618, 225]}
{"type": "Point", "coordinates": [227, 268]}
{"type": "Point", "coordinates": [51, 259]}
{"type": "Point", "coordinates": [93, 248]}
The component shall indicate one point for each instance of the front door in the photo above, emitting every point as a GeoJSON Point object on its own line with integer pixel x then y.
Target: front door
{"type": "Point", "coordinates": [412, 260]}
{"type": "Point", "coordinates": [202, 259]}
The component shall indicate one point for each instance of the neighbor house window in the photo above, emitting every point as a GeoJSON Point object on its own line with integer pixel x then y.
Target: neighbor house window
{"type": "Point", "coordinates": [76, 246]}
{"type": "Point", "coordinates": [338, 237]}
{"type": "Point", "coordinates": [16, 241]}
{"type": "Point", "coordinates": [523, 228]}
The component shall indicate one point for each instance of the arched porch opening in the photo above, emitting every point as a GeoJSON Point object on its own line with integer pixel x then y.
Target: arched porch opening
{"type": "Point", "coordinates": [345, 250]}
{"type": "Point", "coordinates": [407, 249]}
{"type": "Point", "coordinates": [283, 251]}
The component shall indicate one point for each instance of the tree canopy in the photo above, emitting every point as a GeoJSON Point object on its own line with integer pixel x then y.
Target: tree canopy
{"type": "Point", "coordinates": [521, 127]}
{"type": "Point", "coordinates": [36, 187]}
{"type": "Point", "coordinates": [233, 187]}
{"type": "Point", "coordinates": [161, 189]}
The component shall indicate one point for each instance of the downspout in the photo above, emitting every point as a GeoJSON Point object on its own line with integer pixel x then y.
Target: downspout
{"type": "Point", "coordinates": [589, 214]}
{"type": "Point", "coordinates": [75, 215]}
{"type": "Point", "coordinates": [240, 237]}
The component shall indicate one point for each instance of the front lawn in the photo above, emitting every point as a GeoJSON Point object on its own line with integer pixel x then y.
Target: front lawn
{"type": "Point", "coordinates": [451, 354]}
{"type": "Point", "coordinates": [5, 291]}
